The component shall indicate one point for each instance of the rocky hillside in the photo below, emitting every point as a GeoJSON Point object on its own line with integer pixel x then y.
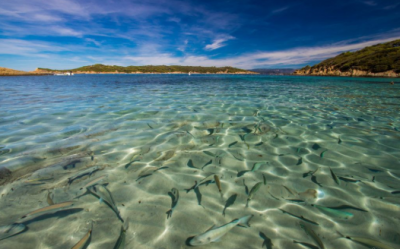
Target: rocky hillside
{"type": "Point", "coordinates": [11, 72]}
{"type": "Point", "coordinates": [381, 60]}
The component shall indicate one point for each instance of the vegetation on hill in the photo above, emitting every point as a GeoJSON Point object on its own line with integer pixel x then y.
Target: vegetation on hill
{"type": "Point", "coordinates": [11, 72]}
{"type": "Point", "coordinates": [99, 68]}
{"type": "Point", "coordinates": [376, 59]}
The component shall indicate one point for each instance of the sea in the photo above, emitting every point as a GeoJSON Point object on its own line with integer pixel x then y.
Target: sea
{"type": "Point", "coordinates": [212, 161]}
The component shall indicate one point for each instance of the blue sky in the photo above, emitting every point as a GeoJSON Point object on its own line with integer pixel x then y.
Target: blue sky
{"type": "Point", "coordinates": [64, 34]}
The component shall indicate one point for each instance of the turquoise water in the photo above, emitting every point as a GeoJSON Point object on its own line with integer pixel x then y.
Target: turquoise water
{"type": "Point", "coordinates": [147, 134]}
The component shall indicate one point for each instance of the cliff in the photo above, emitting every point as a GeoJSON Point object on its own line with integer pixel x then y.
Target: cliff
{"type": "Point", "coordinates": [381, 60]}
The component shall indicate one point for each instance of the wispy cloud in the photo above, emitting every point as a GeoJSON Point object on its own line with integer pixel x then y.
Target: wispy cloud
{"type": "Point", "coordinates": [40, 30]}
{"type": "Point", "coordinates": [369, 2]}
{"type": "Point", "coordinates": [276, 11]}
{"type": "Point", "coordinates": [183, 47]}
{"type": "Point", "coordinates": [218, 43]}
{"type": "Point", "coordinates": [90, 40]}
{"type": "Point", "coordinates": [390, 7]}
{"type": "Point", "coordinates": [133, 20]}
{"type": "Point", "coordinates": [296, 56]}
{"type": "Point", "coordinates": [186, 32]}
{"type": "Point", "coordinates": [150, 54]}
{"type": "Point", "coordinates": [303, 55]}
{"type": "Point", "coordinates": [28, 48]}
{"type": "Point", "coordinates": [41, 10]}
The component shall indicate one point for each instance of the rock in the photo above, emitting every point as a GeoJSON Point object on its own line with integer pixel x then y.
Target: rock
{"type": "Point", "coordinates": [5, 175]}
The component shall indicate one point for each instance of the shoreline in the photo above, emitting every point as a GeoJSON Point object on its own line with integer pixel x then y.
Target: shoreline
{"type": "Point", "coordinates": [104, 69]}
{"type": "Point", "coordinates": [10, 75]}
{"type": "Point", "coordinates": [304, 75]}
{"type": "Point", "coordinates": [102, 73]}
{"type": "Point", "coordinates": [349, 76]}
{"type": "Point", "coordinates": [352, 73]}
{"type": "Point", "coordinates": [336, 76]}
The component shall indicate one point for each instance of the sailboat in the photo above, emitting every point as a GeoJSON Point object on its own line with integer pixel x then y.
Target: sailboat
{"type": "Point", "coordinates": [189, 73]}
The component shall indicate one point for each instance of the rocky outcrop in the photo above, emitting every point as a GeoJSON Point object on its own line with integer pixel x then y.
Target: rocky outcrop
{"type": "Point", "coordinates": [380, 60]}
{"type": "Point", "coordinates": [331, 71]}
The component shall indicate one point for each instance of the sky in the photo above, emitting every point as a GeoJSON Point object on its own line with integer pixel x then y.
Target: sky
{"type": "Point", "coordinates": [66, 34]}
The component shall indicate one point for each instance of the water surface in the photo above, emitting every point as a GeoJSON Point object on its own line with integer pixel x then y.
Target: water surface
{"type": "Point", "coordinates": [148, 134]}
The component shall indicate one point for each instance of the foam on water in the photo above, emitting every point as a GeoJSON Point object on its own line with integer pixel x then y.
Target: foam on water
{"type": "Point", "coordinates": [152, 133]}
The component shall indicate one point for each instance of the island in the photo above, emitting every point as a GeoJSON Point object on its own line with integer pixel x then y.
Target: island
{"type": "Point", "coordinates": [380, 60]}
{"type": "Point", "coordinates": [150, 69]}
{"type": "Point", "coordinates": [11, 72]}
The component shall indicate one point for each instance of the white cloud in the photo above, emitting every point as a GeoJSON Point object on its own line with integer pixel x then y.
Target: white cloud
{"type": "Point", "coordinates": [218, 43]}
{"type": "Point", "coordinates": [296, 56]}
{"type": "Point", "coordinates": [45, 18]}
{"type": "Point", "coordinates": [183, 47]}
{"type": "Point", "coordinates": [149, 54]}
{"type": "Point", "coordinates": [306, 54]}
{"type": "Point", "coordinates": [28, 48]}
{"type": "Point", "coordinates": [93, 41]}
{"type": "Point", "coordinates": [44, 30]}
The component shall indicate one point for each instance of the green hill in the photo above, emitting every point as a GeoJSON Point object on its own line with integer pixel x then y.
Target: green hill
{"type": "Point", "coordinates": [378, 60]}
{"type": "Point", "coordinates": [100, 68]}
{"type": "Point", "coordinates": [11, 72]}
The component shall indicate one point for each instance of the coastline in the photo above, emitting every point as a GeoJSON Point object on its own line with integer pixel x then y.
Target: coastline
{"type": "Point", "coordinates": [339, 76]}
{"type": "Point", "coordinates": [10, 75]}
{"type": "Point", "coordinates": [11, 72]}
{"type": "Point", "coordinates": [135, 73]}
{"type": "Point", "coordinates": [43, 72]}
{"type": "Point", "coordinates": [161, 73]}
{"type": "Point", "coordinates": [53, 74]}
{"type": "Point", "coordinates": [350, 73]}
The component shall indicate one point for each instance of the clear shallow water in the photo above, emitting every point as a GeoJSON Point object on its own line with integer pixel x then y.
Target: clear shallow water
{"type": "Point", "coordinates": [51, 128]}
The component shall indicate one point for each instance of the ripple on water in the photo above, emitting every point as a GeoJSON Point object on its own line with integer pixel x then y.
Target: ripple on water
{"type": "Point", "coordinates": [151, 133]}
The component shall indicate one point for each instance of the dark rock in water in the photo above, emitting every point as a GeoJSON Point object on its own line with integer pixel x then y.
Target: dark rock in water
{"type": "Point", "coordinates": [300, 161]}
{"type": "Point", "coordinates": [5, 175]}
{"type": "Point", "coordinates": [190, 164]}
{"type": "Point", "coordinates": [314, 180]}
{"type": "Point", "coordinates": [247, 130]}
{"type": "Point", "coordinates": [262, 128]}
{"type": "Point", "coordinates": [316, 147]}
